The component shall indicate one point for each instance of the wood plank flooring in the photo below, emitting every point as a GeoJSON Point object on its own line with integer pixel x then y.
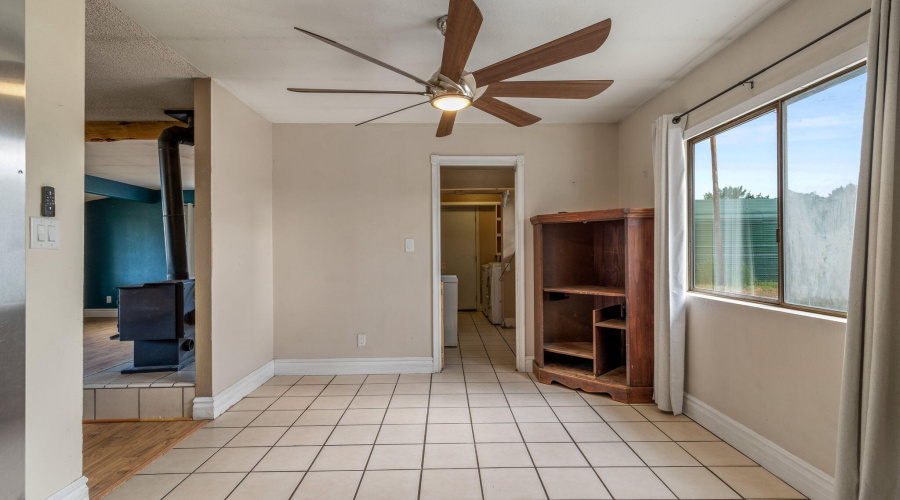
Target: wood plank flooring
{"type": "Point", "coordinates": [100, 352]}
{"type": "Point", "coordinates": [114, 452]}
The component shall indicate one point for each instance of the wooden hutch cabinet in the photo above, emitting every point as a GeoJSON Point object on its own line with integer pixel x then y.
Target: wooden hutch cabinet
{"type": "Point", "coordinates": [593, 284]}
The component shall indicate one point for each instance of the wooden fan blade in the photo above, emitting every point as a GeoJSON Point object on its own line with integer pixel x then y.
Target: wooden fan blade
{"type": "Point", "coordinates": [505, 112]}
{"type": "Point", "coordinates": [389, 114]}
{"type": "Point", "coordinates": [364, 56]}
{"type": "Point", "coordinates": [567, 89]}
{"type": "Point", "coordinates": [350, 91]}
{"type": "Point", "coordinates": [463, 22]}
{"type": "Point", "coordinates": [445, 128]}
{"type": "Point", "coordinates": [562, 49]}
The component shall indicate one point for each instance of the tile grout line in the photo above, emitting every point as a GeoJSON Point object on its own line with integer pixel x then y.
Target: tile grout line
{"type": "Point", "coordinates": [325, 442]}
{"type": "Point", "coordinates": [471, 424]}
{"type": "Point", "coordinates": [424, 439]}
{"type": "Point", "coordinates": [527, 449]}
{"type": "Point", "coordinates": [594, 469]}
{"type": "Point", "coordinates": [380, 425]}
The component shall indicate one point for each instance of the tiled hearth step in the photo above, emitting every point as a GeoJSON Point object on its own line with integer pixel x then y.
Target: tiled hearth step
{"type": "Point", "coordinates": [138, 403]}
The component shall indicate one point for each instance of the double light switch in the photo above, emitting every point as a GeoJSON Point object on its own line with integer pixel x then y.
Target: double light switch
{"type": "Point", "coordinates": [44, 233]}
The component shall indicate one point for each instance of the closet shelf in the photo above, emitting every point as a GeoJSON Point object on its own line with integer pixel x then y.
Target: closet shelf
{"type": "Point", "coordinates": [608, 291]}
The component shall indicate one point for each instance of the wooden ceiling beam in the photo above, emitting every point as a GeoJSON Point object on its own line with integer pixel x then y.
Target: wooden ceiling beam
{"type": "Point", "coordinates": [125, 131]}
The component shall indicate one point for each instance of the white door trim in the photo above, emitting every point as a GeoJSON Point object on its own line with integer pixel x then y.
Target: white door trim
{"type": "Point", "coordinates": [518, 164]}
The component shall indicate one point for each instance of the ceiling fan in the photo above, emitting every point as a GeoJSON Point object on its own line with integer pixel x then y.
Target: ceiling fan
{"type": "Point", "coordinates": [452, 89]}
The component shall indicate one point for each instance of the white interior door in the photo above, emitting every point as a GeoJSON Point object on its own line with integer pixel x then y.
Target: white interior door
{"type": "Point", "coordinates": [459, 252]}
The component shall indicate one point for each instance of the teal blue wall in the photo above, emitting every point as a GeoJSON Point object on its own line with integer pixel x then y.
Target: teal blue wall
{"type": "Point", "coordinates": [123, 245]}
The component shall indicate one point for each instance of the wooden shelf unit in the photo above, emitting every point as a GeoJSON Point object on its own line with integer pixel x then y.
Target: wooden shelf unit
{"type": "Point", "coordinates": [594, 301]}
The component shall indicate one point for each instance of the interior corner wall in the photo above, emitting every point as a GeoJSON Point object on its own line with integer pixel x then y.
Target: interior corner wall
{"type": "Point", "coordinates": [202, 239]}
{"type": "Point", "coordinates": [346, 197]}
{"type": "Point", "coordinates": [776, 372]}
{"type": "Point", "coordinates": [233, 177]}
{"type": "Point", "coordinates": [54, 156]}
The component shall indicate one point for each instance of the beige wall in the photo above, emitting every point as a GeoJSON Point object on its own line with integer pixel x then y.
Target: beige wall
{"type": "Point", "coordinates": [54, 117]}
{"type": "Point", "coordinates": [346, 197]}
{"type": "Point", "coordinates": [234, 179]}
{"type": "Point", "coordinates": [776, 372]}
{"type": "Point", "coordinates": [202, 238]}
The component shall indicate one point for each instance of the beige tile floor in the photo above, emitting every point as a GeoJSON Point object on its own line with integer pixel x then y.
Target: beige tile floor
{"type": "Point", "coordinates": [478, 430]}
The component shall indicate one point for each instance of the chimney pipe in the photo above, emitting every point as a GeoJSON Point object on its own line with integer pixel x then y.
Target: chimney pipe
{"type": "Point", "coordinates": [173, 199]}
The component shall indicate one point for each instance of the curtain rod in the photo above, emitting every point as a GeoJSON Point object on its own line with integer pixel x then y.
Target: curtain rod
{"type": "Point", "coordinates": [750, 78]}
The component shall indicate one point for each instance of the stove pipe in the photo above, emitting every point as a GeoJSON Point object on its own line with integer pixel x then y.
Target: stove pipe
{"type": "Point", "coordinates": [173, 199]}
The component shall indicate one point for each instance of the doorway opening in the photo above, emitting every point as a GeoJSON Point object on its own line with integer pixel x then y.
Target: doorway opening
{"type": "Point", "coordinates": [477, 238]}
{"type": "Point", "coordinates": [124, 246]}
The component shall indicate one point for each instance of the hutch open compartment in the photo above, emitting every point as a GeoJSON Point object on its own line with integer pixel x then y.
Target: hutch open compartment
{"type": "Point", "coordinates": [594, 301]}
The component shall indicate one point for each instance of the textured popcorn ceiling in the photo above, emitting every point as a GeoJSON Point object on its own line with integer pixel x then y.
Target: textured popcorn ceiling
{"type": "Point", "coordinates": [129, 74]}
{"type": "Point", "coordinates": [251, 48]}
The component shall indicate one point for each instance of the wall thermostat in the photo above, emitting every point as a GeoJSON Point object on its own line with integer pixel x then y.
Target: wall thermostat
{"type": "Point", "coordinates": [48, 202]}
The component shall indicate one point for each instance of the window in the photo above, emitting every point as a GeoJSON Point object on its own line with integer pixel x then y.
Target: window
{"type": "Point", "coordinates": [774, 196]}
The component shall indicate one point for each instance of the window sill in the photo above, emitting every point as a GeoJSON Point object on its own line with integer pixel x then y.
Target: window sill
{"type": "Point", "coordinates": [769, 307]}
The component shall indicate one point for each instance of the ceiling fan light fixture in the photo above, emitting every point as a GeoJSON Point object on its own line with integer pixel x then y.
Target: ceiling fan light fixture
{"type": "Point", "coordinates": [451, 102]}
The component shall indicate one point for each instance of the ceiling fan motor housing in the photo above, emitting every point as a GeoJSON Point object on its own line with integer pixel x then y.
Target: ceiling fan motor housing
{"type": "Point", "coordinates": [448, 95]}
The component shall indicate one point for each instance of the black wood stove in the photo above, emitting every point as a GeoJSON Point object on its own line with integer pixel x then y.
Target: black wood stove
{"type": "Point", "coordinates": [159, 317]}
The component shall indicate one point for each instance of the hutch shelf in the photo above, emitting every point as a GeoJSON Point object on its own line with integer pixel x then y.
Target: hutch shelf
{"type": "Point", "coordinates": [593, 299]}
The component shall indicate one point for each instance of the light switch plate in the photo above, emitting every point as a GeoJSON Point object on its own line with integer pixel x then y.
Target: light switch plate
{"type": "Point", "coordinates": [44, 233]}
{"type": "Point", "coordinates": [410, 245]}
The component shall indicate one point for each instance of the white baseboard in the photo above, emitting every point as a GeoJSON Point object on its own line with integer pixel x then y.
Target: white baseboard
{"type": "Point", "coordinates": [807, 479]}
{"type": "Point", "coordinates": [77, 490]}
{"type": "Point", "coordinates": [353, 366]}
{"type": "Point", "coordinates": [509, 323]}
{"type": "Point", "coordinates": [210, 408]}
{"type": "Point", "coordinates": [101, 313]}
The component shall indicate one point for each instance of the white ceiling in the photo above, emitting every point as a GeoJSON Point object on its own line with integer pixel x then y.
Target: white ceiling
{"type": "Point", "coordinates": [133, 162]}
{"type": "Point", "coordinates": [253, 50]}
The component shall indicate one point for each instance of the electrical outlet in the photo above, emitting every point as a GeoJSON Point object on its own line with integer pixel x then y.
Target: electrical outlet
{"type": "Point", "coordinates": [361, 340]}
{"type": "Point", "coordinates": [109, 299]}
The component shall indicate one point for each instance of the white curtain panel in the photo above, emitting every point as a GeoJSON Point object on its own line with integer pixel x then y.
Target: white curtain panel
{"type": "Point", "coordinates": [868, 455]}
{"type": "Point", "coordinates": [670, 262]}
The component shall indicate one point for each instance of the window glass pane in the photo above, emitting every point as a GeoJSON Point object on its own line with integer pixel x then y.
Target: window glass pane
{"type": "Point", "coordinates": [823, 136]}
{"type": "Point", "coordinates": [735, 246]}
